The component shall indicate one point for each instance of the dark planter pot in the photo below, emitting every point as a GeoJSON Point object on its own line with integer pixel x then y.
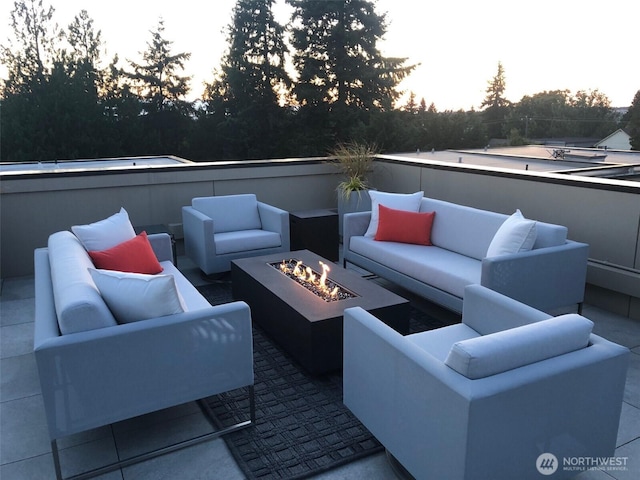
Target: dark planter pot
{"type": "Point", "coordinates": [358, 201]}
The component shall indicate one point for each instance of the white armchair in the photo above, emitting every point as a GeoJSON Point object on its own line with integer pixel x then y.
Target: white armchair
{"type": "Point", "coordinates": [486, 398]}
{"type": "Point", "coordinates": [220, 229]}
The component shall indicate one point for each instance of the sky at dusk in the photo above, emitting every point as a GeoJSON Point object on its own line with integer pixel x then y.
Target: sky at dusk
{"type": "Point", "coordinates": [544, 45]}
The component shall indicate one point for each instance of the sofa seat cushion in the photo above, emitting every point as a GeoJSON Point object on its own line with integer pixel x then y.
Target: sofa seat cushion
{"type": "Point", "coordinates": [79, 305]}
{"type": "Point", "coordinates": [230, 212]}
{"type": "Point", "coordinates": [502, 351]}
{"type": "Point", "coordinates": [438, 342]}
{"type": "Point", "coordinates": [438, 267]}
{"type": "Point", "coordinates": [243, 240]}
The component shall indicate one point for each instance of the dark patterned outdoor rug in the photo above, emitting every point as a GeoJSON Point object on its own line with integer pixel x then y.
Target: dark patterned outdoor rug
{"type": "Point", "coordinates": [302, 427]}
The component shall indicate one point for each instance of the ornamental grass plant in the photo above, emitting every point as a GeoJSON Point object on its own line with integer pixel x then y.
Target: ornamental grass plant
{"type": "Point", "coordinates": [355, 161]}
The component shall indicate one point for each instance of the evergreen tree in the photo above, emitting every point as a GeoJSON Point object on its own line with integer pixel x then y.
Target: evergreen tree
{"type": "Point", "coordinates": [411, 106]}
{"type": "Point", "coordinates": [157, 80]}
{"type": "Point", "coordinates": [83, 76]}
{"type": "Point", "coordinates": [167, 116]}
{"type": "Point", "coordinates": [252, 80]}
{"type": "Point", "coordinates": [340, 69]}
{"type": "Point", "coordinates": [495, 90]}
{"type": "Point", "coordinates": [631, 121]}
{"type": "Point", "coordinates": [121, 110]}
{"type": "Point", "coordinates": [423, 105]}
{"type": "Point", "coordinates": [51, 105]}
{"type": "Point", "coordinates": [495, 104]}
{"type": "Point", "coordinates": [29, 55]}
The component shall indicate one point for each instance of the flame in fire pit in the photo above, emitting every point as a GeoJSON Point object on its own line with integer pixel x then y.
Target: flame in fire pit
{"type": "Point", "coordinates": [320, 284]}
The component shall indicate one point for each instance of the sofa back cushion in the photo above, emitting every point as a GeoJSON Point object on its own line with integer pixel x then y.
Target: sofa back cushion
{"type": "Point", "coordinates": [469, 231]}
{"type": "Point", "coordinates": [502, 351]}
{"type": "Point", "coordinates": [230, 213]}
{"type": "Point", "coordinates": [79, 305]}
{"type": "Point", "coordinates": [462, 229]}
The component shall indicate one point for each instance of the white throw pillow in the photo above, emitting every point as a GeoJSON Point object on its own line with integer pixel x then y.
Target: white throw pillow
{"type": "Point", "coordinates": [516, 234]}
{"type": "Point", "coordinates": [106, 233]}
{"type": "Point", "coordinates": [135, 296]}
{"type": "Point", "coordinates": [399, 201]}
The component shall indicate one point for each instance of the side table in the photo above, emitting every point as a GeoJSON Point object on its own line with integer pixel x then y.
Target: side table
{"type": "Point", "coordinates": [159, 228]}
{"type": "Point", "coordinates": [315, 230]}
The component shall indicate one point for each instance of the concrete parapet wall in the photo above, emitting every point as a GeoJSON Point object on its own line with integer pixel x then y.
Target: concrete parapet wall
{"type": "Point", "coordinates": [603, 213]}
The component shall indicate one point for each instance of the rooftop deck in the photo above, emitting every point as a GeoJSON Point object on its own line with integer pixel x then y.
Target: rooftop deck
{"type": "Point", "coordinates": [53, 199]}
{"type": "Point", "coordinates": [24, 442]}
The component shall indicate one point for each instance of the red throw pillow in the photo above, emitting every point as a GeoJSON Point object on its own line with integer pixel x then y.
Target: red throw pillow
{"type": "Point", "coordinates": [403, 226]}
{"type": "Point", "coordinates": [134, 256]}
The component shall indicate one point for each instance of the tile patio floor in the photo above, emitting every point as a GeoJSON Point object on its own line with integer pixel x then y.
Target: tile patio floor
{"type": "Point", "coordinates": [24, 444]}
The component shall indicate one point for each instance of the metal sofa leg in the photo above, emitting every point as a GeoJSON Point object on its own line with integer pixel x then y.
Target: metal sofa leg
{"type": "Point", "coordinates": [164, 450]}
{"type": "Point", "coordinates": [56, 459]}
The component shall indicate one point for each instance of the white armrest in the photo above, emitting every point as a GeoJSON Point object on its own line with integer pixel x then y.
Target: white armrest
{"type": "Point", "coordinates": [276, 220]}
{"type": "Point", "coordinates": [198, 235]}
{"type": "Point", "coordinates": [546, 278]}
{"type": "Point", "coordinates": [161, 244]}
{"type": "Point", "coordinates": [487, 311]}
{"type": "Point", "coordinates": [354, 225]}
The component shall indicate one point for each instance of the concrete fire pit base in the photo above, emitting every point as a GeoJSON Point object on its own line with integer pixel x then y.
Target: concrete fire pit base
{"type": "Point", "coordinates": [305, 325]}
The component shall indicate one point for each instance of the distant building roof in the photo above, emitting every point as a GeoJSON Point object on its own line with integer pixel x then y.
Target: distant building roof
{"type": "Point", "coordinates": [584, 142]}
{"type": "Point", "coordinates": [90, 164]}
{"type": "Point", "coordinates": [541, 158]}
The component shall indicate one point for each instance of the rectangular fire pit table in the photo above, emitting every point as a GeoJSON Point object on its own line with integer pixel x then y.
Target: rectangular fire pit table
{"type": "Point", "coordinates": [304, 324]}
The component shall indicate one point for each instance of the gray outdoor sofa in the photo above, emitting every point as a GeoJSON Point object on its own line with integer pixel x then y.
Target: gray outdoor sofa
{"type": "Point", "coordinates": [550, 276]}
{"type": "Point", "coordinates": [100, 371]}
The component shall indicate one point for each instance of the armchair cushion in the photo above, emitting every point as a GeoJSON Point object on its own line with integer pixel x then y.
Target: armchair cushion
{"type": "Point", "coordinates": [135, 256]}
{"type": "Point", "coordinates": [245, 240]}
{"type": "Point", "coordinates": [230, 212]}
{"type": "Point", "coordinates": [132, 296]}
{"type": "Point", "coordinates": [106, 233]}
{"type": "Point", "coordinates": [438, 342]}
{"type": "Point", "coordinates": [502, 351]}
